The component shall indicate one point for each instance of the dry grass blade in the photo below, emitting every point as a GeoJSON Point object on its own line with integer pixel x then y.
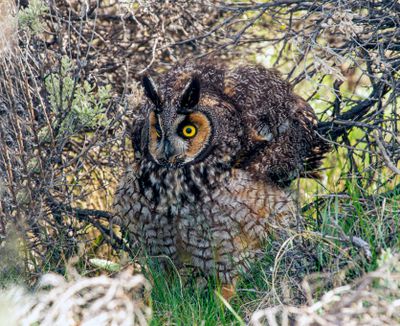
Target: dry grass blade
{"type": "Point", "coordinates": [82, 301]}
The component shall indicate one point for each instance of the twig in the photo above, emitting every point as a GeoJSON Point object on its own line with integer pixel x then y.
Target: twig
{"type": "Point", "coordinates": [378, 138]}
{"type": "Point", "coordinates": [355, 241]}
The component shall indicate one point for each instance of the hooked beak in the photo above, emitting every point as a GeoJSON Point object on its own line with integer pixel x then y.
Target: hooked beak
{"type": "Point", "coordinates": [168, 149]}
{"type": "Point", "coordinates": [169, 156]}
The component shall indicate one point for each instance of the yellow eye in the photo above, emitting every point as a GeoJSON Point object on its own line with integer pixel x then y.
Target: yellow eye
{"type": "Point", "coordinates": [189, 131]}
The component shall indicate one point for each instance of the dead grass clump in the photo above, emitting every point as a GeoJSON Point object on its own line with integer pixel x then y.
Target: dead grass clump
{"type": "Point", "coordinates": [373, 299]}
{"type": "Point", "coordinates": [81, 301]}
{"type": "Point", "coordinates": [8, 26]}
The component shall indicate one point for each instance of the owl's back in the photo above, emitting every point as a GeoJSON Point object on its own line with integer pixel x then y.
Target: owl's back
{"type": "Point", "coordinates": [281, 126]}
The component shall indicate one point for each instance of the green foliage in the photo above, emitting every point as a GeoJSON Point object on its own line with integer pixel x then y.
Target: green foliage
{"type": "Point", "coordinates": [30, 18]}
{"type": "Point", "coordinates": [77, 105]}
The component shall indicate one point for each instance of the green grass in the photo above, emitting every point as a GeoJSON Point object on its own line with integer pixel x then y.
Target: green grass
{"type": "Point", "coordinates": [187, 300]}
{"type": "Point", "coordinates": [178, 303]}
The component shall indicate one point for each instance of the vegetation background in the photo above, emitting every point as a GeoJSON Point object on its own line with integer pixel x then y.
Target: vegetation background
{"type": "Point", "coordinates": [68, 91]}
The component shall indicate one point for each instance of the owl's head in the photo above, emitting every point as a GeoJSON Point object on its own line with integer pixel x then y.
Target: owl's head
{"type": "Point", "coordinates": [187, 122]}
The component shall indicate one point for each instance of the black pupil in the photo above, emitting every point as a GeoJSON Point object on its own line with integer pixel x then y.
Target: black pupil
{"type": "Point", "coordinates": [189, 130]}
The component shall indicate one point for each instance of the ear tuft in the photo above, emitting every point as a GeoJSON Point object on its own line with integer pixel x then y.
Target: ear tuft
{"type": "Point", "coordinates": [150, 90]}
{"type": "Point", "coordinates": [191, 94]}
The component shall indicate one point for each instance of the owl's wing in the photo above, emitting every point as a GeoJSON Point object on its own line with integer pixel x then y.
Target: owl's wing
{"type": "Point", "coordinates": [282, 142]}
{"type": "Point", "coordinates": [295, 149]}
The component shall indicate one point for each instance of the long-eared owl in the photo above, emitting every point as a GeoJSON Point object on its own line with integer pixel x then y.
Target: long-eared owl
{"type": "Point", "coordinates": [215, 150]}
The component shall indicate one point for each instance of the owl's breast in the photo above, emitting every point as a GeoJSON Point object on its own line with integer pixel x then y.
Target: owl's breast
{"type": "Point", "coordinates": [225, 222]}
{"type": "Point", "coordinates": [229, 224]}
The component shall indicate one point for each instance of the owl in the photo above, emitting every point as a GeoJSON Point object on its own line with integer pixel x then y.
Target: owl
{"type": "Point", "coordinates": [215, 151]}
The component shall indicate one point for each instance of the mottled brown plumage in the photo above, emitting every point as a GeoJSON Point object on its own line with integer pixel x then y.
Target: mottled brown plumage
{"type": "Point", "coordinates": [215, 150]}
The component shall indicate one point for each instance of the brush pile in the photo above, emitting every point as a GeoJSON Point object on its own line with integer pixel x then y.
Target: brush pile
{"type": "Point", "coordinates": [80, 301]}
{"type": "Point", "coordinates": [370, 300]}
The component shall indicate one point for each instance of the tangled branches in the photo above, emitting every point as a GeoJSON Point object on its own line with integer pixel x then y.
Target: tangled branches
{"type": "Point", "coordinates": [62, 106]}
{"type": "Point", "coordinates": [118, 40]}
{"type": "Point", "coordinates": [66, 73]}
{"type": "Point", "coordinates": [345, 56]}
